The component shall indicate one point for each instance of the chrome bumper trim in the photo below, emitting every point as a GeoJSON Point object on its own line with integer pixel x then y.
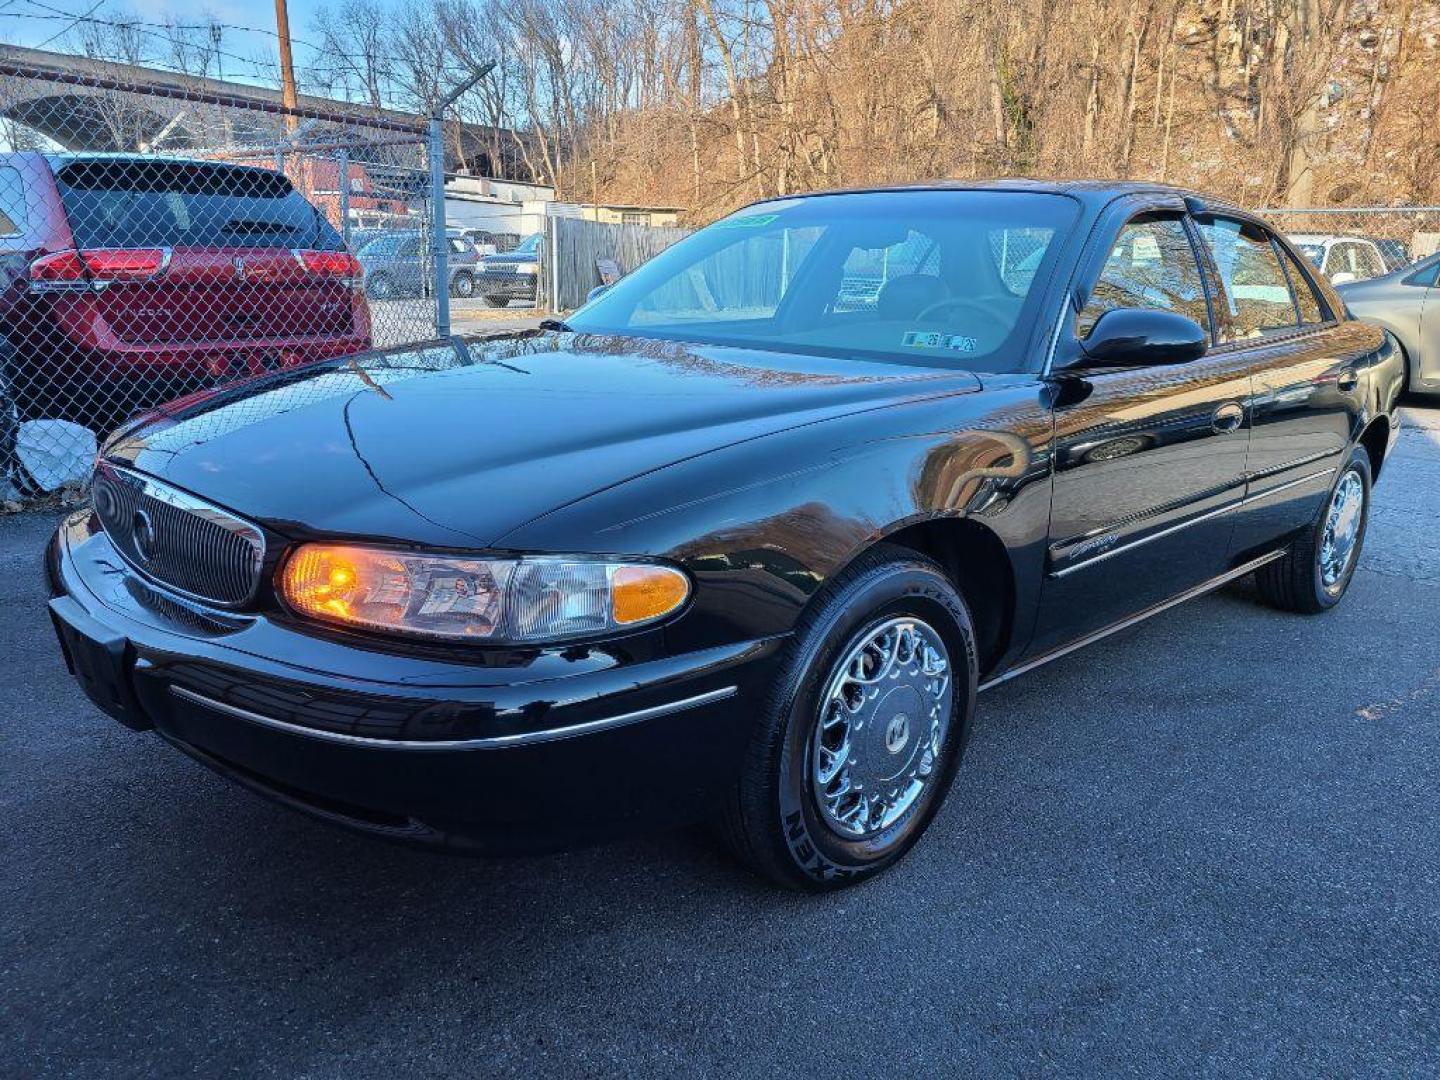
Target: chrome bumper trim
{"type": "Point", "coordinates": [493, 742]}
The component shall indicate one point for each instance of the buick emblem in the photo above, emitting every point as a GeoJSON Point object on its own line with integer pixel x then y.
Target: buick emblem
{"type": "Point", "coordinates": [897, 734]}
{"type": "Point", "coordinates": [142, 532]}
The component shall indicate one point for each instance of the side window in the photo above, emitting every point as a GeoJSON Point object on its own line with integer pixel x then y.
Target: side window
{"type": "Point", "coordinates": [1429, 276]}
{"type": "Point", "coordinates": [1311, 310]}
{"type": "Point", "coordinates": [1152, 265]}
{"type": "Point", "coordinates": [1256, 290]}
{"type": "Point", "coordinates": [1368, 261]}
{"type": "Point", "coordinates": [12, 202]}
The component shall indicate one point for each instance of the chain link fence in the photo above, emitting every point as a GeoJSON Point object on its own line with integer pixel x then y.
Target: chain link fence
{"type": "Point", "coordinates": [1355, 243]}
{"type": "Point", "coordinates": [164, 235]}
{"type": "Point", "coordinates": [156, 240]}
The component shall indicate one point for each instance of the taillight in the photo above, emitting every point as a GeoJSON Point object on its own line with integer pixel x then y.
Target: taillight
{"type": "Point", "coordinates": [340, 265]}
{"type": "Point", "coordinates": [95, 268]}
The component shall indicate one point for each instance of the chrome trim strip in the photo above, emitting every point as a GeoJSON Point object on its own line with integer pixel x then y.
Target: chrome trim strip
{"type": "Point", "coordinates": [1276, 470]}
{"type": "Point", "coordinates": [527, 738]}
{"type": "Point", "coordinates": [1125, 624]}
{"type": "Point", "coordinates": [1207, 516]}
{"type": "Point", "coordinates": [1172, 530]}
{"type": "Point", "coordinates": [1259, 495]}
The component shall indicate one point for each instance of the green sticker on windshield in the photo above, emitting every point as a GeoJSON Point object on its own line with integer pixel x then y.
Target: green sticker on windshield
{"type": "Point", "coordinates": [753, 221]}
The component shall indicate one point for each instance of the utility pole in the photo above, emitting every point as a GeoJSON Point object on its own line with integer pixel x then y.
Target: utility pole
{"type": "Point", "coordinates": [287, 66]}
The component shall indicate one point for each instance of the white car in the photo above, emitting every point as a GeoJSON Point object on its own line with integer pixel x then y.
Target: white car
{"type": "Point", "coordinates": [1341, 258]}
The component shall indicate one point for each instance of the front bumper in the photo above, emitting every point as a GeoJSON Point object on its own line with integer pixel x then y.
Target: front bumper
{"type": "Point", "coordinates": [494, 283]}
{"type": "Point", "coordinates": [516, 752]}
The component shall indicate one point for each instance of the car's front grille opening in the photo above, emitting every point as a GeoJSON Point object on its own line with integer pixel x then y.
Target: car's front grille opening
{"type": "Point", "coordinates": [178, 540]}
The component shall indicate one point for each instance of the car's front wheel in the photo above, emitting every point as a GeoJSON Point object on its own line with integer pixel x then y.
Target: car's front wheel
{"type": "Point", "coordinates": [463, 286]}
{"type": "Point", "coordinates": [1320, 562]}
{"type": "Point", "coordinates": [861, 734]}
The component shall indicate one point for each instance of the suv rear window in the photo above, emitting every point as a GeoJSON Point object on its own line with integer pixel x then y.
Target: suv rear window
{"type": "Point", "coordinates": [127, 203]}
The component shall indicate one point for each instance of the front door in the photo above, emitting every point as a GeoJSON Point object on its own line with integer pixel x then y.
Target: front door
{"type": "Point", "coordinates": [1148, 462]}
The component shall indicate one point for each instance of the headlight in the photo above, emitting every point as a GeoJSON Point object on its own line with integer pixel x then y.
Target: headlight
{"type": "Point", "coordinates": [531, 600]}
{"type": "Point", "coordinates": [527, 268]}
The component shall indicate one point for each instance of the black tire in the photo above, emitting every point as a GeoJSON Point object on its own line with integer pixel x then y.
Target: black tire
{"type": "Point", "coordinates": [463, 286]}
{"type": "Point", "coordinates": [773, 821]}
{"type": "Point", "coordinates": [498, 301]}
{"type": "Point", "coordinates": [1298, 582]}
{"type": "Point", "coordinates": [380, 287]}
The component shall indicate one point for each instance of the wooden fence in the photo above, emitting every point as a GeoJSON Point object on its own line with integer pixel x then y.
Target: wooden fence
{"type": "Point", "coordinates": [572, 246]}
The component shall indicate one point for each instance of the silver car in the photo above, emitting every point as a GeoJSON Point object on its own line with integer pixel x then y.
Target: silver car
{"type": "Point", "coordinates": [1407, 303]}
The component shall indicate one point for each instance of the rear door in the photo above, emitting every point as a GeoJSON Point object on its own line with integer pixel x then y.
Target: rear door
{"type": "Point", "coordinates": [1427, 364]}
{"type": "Point", "coordinates": [1304, 365]}
{"type": "Point", "coordinates": [229, 237]}
{"type": "Point", "coordinates": [1148, 462]}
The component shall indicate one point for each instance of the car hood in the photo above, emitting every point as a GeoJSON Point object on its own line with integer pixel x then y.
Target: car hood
{"type": "Point", "coordinates": [458, 443]}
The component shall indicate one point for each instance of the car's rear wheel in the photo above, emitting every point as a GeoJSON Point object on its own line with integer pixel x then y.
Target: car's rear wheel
{"type": "Point", "coordinates": [1320, 562]}
{"type": "Point", "coordinates": [380, 287]}
{"type": "Point", "coordinates": [463, 286]}
{"type": "Point", "coordinates": [863, 730]}
{"type": "Point", "coordinates": [497, 301]}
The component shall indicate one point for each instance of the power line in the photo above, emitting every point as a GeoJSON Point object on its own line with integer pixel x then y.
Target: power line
{"type": "Point", "coordinates": [73, 23]}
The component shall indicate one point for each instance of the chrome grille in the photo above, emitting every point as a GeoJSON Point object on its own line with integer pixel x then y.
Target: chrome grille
{"type": "Point", "coordinates": [178, 540]}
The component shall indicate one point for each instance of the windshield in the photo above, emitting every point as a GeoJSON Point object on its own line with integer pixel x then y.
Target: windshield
{"type": "Point", "coordinates": [929, 276]}
{"type": "Point", "coordinates": [528, 246]}
{"type": "Point", "coordinates": [1314, 252]}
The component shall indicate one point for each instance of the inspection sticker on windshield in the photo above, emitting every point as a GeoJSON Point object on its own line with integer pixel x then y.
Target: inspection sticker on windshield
{"type": "Point", "coordinates": [751, 221]}
{"type": "Point", "coordinates": [927, 339]}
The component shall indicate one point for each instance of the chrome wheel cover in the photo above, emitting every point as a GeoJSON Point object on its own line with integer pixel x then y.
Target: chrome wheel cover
{"type": "Point", "coordinates": [1342, 529]}
{"type": "Point", "coordinates": [883, 718]}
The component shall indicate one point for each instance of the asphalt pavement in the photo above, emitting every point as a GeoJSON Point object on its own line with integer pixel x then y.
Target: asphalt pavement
{"type": "Point", "coordinates": [1209, 845]}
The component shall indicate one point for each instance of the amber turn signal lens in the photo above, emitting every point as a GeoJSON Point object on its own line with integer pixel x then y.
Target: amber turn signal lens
{"type": "Point", "coordinates": [641, 593]}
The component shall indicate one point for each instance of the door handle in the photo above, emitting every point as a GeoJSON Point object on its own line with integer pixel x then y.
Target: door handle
{"type": "Point", "coordinates": [1228, 418]}
{"type": "Point", "coordinates": [1347, 380]}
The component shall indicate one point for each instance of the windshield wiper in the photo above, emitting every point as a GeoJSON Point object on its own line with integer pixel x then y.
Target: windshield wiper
{"type": "Point", "coordinates": [556, 324]}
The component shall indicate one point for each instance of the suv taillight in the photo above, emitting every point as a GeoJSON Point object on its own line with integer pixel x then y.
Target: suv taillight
{"type": "Point", "coordinates": [95, 268]}
{"type": "Point", "coordinates": [339, 265]}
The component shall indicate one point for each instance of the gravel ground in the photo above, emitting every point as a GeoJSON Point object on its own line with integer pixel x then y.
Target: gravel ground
{"type": "Point", "coordinates": [1208, 845]}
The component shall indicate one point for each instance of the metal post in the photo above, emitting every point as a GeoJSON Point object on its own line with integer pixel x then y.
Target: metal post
{"type": "Point", "coordinates": [342, 170]}
{"type": "Point", "coordinates": [438, 246]}
{"type": "Point", "coordinates": [439, 243]}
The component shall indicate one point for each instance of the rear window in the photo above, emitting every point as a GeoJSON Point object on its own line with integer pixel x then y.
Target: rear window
{"type": "Point", "coordinates": [124, 203]}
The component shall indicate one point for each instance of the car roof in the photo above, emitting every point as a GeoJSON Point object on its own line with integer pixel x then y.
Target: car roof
{"type": "Point", "coordinates": [1096, 192]}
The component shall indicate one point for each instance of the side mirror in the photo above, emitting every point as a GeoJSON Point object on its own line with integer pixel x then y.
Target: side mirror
{"type": "Point", "coordinates": [1142, 337]}
{"type": "Point", "coordinates": [596, 291]}
{"type": "Point", "coordinates": [1342, 278]}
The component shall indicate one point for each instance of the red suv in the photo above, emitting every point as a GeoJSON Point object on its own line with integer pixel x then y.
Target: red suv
{"type": "Point", "coordinates": [126, 281]}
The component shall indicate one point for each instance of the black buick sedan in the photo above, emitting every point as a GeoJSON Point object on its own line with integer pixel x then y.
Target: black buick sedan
{"type": "Point", "coordinates": [743, 539]}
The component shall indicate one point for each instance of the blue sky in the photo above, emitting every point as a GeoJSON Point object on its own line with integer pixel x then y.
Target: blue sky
{"type": "Point", "coordinates": [34, 23]}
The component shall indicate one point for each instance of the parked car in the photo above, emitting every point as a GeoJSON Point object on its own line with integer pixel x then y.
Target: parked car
{"type": "Point", "coordinates": [1393, 252]}
{"type": "Point", "coordinates": [400, 264]}
{"type": "Point", "coordinates": [483, 241]}
{"type": "Point", "coordinates": [511, 275]}
{"type": "Point", "coordinates": [718, 550]}
{"type": "Point", "coordinates": [128, 280]}
{"type": "Point", "coordinates": [1405, 302]}
{"type": "Point", "coordinates": [1342, 258]}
